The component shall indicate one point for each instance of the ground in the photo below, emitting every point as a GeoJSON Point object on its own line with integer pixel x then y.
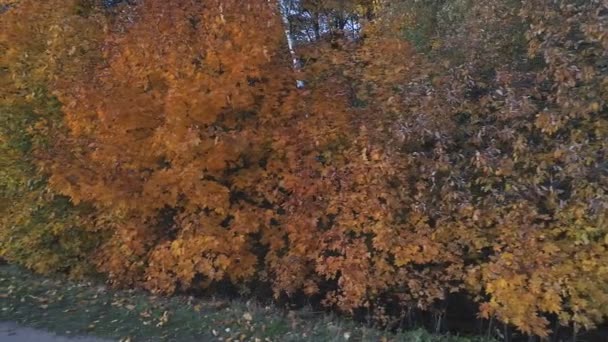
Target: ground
{"type": "Point", "coordinates": [12, 332]}
{"type": "Point", "coordinates": [51, 307]}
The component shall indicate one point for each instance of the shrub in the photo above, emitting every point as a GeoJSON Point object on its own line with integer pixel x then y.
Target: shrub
{"type": "Point", "coordinates": [470, 159]}
{"type": "Point", "coordinates": [38, 228]}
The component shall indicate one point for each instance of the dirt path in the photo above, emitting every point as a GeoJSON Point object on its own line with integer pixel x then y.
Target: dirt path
{"type": "Point", "coordinates": [12, 332]}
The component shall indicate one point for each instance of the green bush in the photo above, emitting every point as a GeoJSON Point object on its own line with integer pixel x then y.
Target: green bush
{"type": "Point", "coordinates": [38, 229]}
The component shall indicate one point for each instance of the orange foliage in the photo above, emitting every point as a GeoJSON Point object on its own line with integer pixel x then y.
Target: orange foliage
{"type": "Point", "coordinates": [476, 166]}
{"type": "Point", "coordinates": [167, 130]}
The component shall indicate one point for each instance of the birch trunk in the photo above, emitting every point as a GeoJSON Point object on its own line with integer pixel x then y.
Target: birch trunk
{"type": "Point", "coordinates": [284, 9]}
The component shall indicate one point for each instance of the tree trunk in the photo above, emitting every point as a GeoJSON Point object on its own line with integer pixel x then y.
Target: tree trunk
{"type": "Point", "coordinates": [284, 9]}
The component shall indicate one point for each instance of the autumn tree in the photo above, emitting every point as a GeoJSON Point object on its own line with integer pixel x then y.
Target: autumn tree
{"type": "Point", "coordinates": [435, 147]}
{"type": "Point", "coordinates": [170, 135]}
{"type": "Point", "coordinates": [39, 41]}
{"type": "Point", "coordinates": [503, 128]}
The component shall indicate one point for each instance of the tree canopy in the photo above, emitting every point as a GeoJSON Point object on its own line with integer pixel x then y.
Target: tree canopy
{"type": "Point", "coordinates": [369, 153]}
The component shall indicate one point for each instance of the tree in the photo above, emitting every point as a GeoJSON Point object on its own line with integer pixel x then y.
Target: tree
{"type": "Point", "coordinates": [166, 131]}
{"type": "Point", "coordinates": [437, 147]}
{"type": "Point", "coordinates": [39, 228]}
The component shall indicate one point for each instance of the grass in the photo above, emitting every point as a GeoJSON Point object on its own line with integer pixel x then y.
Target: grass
{"type": "Point", "coordinates": [89, 308]}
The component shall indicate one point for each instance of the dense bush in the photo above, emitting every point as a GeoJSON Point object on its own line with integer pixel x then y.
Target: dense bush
{"type": "Point", "coordinates": [39, 228]}
{"type": "Point", "coordinates": [438, 147]}
{"type": "Point", "coordinates": [517, 161]}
